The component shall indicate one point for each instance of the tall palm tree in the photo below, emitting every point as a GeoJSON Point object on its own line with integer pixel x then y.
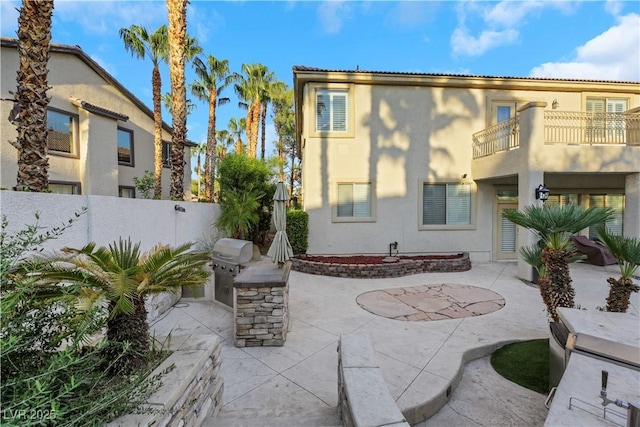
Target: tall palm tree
{"type": "Point", "coordinates": [177, 14]}
{"type": "Point", "coordinates": [166, 99]}
{"type": "Point", "coordinates": [213, 78]}
{"type": "Point", "coordinates": [284, 122]}
{"type": "Point", "coordinates": [141, 44]}
{"type": "Point", "coordinates": [123, 276]}
{"type": "Point", "coordinates": [626, 250]}
{"type": "Point", "coordinates": [554, 225]}
{"type": "Point", "coordinates": [252, 89]}
{"type": "Point", "coordinates": [30, 110]}
{"type": "Point", "coordinates": [236, 129]}
{"type": "Point", "coordinates": [197, 151]}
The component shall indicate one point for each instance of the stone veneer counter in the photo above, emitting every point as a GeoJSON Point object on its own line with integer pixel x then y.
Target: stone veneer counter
{"type": "Point", "coordinates": [261, 305]}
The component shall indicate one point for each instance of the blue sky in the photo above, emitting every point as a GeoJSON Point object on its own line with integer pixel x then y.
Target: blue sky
{"type": "Point", "coordinates": [565, 39]}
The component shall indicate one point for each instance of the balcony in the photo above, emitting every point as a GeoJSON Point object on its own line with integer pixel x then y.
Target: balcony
{"type": "Point", "coordinates": [563, 128]}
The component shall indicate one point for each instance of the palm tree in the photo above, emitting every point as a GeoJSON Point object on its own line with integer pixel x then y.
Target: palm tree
{"type": "Point", "coordinates": [284, 122]}
{"type": "Point", "coordinates": [30, 109]}
{"type": "Point", "coordinates": [141, 43]}
{"type": "Point", "coordinates": [239, 211]}
{"type": "Point", "coordinates": [176, 37]}
{"type": "Point", "coordinates": [252, 90]}
{"type": "Point", "coordinates": [236, 129]}
{"type": "Point", "coordinates": [166, 99]}
{"type": "Point", "coordinates": [198, 150]}
{"type": "Point", "coordinates": [214, 76]}
{"type": "Point", "coordinates": [554, 225]}
{"type": "Point", "coordinates": [626, 250]}
{"type": "Point", "coordinates": [122, 276]}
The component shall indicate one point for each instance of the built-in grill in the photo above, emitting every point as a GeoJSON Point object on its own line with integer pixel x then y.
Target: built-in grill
{"type": "Point", "coordinates": [229, 255]}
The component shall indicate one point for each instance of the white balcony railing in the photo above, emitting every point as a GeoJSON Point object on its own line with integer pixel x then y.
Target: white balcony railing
{"type": "Point", "coordinates": [501, 137]}
{"type": "Point", "coordinates": [563, 127]}
{"type": "Point", "coordinates": [572, 127]}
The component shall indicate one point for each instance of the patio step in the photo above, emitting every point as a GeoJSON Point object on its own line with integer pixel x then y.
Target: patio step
{"type": "Point", "coordinates": [253, 418]}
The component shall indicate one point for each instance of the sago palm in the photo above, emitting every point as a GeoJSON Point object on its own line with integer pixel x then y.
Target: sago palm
{"type": "Point", "coordinates": [121, 276]}
{"type": "Point", "coordinates": [626, 250]}
{"type": "Point", "coordinates": [554, 225]}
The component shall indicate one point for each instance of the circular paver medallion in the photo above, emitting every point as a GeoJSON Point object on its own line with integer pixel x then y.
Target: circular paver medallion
{"type": "Point", "coordinates": [431, 302]}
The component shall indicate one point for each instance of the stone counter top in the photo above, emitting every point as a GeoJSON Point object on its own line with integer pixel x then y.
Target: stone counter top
{"type": "Point", "coordinates": [582, 380]}
{"type": "Point", "coordinates": [623, 328]}
{"type": "Point", "coordinates": [263, 274]}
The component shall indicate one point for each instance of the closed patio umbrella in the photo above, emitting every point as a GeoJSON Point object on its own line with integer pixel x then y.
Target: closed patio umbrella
{"type": "Point", "coordinates": [280, 250]}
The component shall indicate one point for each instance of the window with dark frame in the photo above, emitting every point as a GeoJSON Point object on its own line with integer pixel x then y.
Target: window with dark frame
{"type": "Point", "coordinates": [64, 187]}
{"type": "Point", "coordinates": [127, 192]}
{"type": "Point", "coordinates": [62, 131]}
{"type": "Point", "coordinates": [166, 154]}
{"type": "Point", "coordinates": [125, 147]}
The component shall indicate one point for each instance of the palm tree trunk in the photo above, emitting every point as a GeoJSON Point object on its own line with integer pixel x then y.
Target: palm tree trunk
{"type": "Point", "coordinates": [560, 293]}
{"type": "Point", "coordinates": [239, 149]}
{"type": "Point", "coordinates": [30, 117]}
{"type": "Point", "coordinates": [263, 124]}
{"type": "Point", "coordinates": [177, 11]}
{"type": "Point", "coordinates": [132, 329]}
{"type": "Point", "coordinates": [156, 84]}
{"type": "Point", "coordinates": [620, 294]}
{"type": "Point", "coordinates": [198, 168]}
{"type": "Point", "coordinates": [209, 168]}
{"type": "Point", "coordinates": [255, 125]}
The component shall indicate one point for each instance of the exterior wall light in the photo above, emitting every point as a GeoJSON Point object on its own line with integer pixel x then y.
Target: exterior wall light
{"type": "Point", "coordinates": [542, 193]}
{"type": "Point", "coordinates": [179, 208]}
{"type": "Point", "coordinates": [555, 104]}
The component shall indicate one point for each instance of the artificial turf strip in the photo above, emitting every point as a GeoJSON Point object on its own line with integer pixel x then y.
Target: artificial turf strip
{"type": "Point", "coordinates": [525, 363]}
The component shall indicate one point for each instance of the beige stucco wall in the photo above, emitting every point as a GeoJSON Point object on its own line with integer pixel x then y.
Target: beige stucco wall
{"type": "Point", "coordinates": [403, 135]}
{"type": "Point", "coordinates": [95, 166]}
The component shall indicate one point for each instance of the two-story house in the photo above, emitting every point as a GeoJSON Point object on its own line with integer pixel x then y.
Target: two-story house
{"type": "Point", "coordinates": [100, 134]}
{"type": "Point", "coordinates": [431, 161]}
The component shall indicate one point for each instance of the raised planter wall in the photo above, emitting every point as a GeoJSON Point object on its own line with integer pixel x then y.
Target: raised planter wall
{"type": "Point", "coordinates": [363, 396]}
{"type": "Point", "coordinates": [191, 394]}
{"type": "Point", "coordinates": [401, 268]}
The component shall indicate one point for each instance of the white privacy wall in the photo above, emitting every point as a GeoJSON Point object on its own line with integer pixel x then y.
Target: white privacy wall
{"type": "Point", "coordinates": [108, 218]}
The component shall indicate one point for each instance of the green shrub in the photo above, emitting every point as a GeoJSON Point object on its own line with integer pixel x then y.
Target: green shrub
{"type": "Point", "coordinates": [298, 230]}
{"type": "Point", "coordinates": [241, 175]}
{"type": "Point", "coordinates": [49, 375]}
{"type": "Point", "coordinates": [145, 185]}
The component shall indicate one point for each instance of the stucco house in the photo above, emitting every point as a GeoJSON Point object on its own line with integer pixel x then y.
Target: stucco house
{"type": "Point", "coordinates": [100, 134]}
{"type": "Point", "coordinates": [431, 161]}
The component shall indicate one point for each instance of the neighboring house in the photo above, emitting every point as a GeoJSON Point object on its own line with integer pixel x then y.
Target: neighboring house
{"type": "Point", "coordinates": [431, 161]}
{"type": "Point", "coordinates": [100, 134]}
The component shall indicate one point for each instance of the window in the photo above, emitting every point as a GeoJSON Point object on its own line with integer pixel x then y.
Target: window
{"type": "Point", "coordinates": [614, 201]}
{"type": "Point", "coordinates": [127, 192]}
{"type": "Point", "coordinates": [61, 187]}
{"type": "Point", "coordinates": [605, 122]}
{"type": "Point", "coordinates": [62, 130]}
{"type": "Point", "coordinates": [166, 154]}
{"type": "Point", "coordinates": [446, 204]}
{"type": "Point", "coordinates": [331, 110]}
{"type": "Point", "coordinates": [354, 200]}
{"type": "Point", "coordinates": [125, 147]}
{"type": "Point", "coordinates": [563, 199]}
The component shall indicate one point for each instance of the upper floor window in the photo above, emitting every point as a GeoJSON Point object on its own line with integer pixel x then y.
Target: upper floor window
{"type": "Point", "coordinates": [606, 123]}
{"type": "Point", "coordinates": [125, 147]}
{"type": "Point", "coordinates": [62, 131]}
{"type": "Point", "coordinates": [446, 204]}
{"type": "Point", "coordinates": [331, 110]}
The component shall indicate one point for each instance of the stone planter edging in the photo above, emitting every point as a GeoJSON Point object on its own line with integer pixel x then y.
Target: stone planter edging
{"type": "Point", "coordinates": [401, 268]}
{"type": "Point", "coordinates": [191, 392]}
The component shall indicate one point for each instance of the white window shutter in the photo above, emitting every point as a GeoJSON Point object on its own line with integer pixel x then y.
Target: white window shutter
{"type": "Point", "coordinates": [434, 201]}
{"type": "Point", "coordinates": [458, 204]}
{"type": "Point", "coordinates": [339, 112]}
{"type": "Point", "coordinates": [362, 200]}
{"type": "Point", "coordinates": [345, 200]}
{"type": "Point", "coordinates": [322, 111]}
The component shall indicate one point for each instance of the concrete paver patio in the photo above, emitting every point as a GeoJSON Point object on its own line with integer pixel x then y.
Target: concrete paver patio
{"type": "Point", "coordinates": [421, 361]}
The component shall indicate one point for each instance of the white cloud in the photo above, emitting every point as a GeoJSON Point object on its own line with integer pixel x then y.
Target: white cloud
{"type": "Point", "coordinates": [612, 55]}
{"type": "Point", "coordinates": [466, 44]}
{"type": "Point", "coordinates": [498, 22]}
{"type": "Point", "coordinates": [332, 14]}
{"type": "Point", "coordinates": [109, 16]}
{"type": "Point", "coordinates": [201, 23]}
{"type": "Point", "coordinates": [614, 7]}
